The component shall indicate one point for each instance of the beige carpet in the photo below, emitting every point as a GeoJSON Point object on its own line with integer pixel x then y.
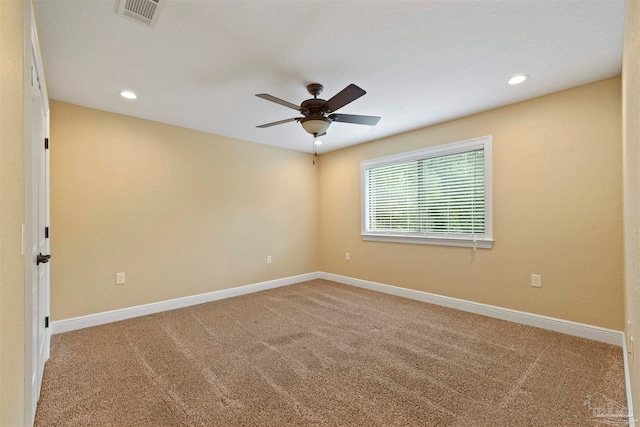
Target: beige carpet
{"type": "Point", "coordinates": [323, 354]}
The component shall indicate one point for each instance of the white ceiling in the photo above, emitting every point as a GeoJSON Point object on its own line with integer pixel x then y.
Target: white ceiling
{"type": "Point", "coordinates": [421, 62]}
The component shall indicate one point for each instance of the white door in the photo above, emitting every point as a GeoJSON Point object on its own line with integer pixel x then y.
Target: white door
{"type": "Point", "coordinates": [43, 267]}
{"type": "Point", "coordinates": [40, 271]}
{"type": "Point", "coordinates": [36, 243]}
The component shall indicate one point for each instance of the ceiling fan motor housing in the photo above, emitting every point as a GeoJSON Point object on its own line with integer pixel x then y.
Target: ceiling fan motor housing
{"type": "Point", "coordinates": [313, 107]}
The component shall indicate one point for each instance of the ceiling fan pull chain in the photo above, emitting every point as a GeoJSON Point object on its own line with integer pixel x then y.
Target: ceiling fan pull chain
{"type": "Point", "coordinates": [313, 142]}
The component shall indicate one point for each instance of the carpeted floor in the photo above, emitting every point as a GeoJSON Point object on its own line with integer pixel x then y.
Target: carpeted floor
{"type": "Point", "coordinates": [323, 354]}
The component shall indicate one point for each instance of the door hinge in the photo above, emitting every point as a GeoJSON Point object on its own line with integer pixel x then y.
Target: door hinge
{"type": "Point", "coordinates": [46, 143]}
{"type": "Point", "coordinates": [46, 322]}
{"type": "Point", "coordinates": [46, 232]}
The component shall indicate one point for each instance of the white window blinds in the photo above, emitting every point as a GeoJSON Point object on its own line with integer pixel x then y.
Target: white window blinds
{"type": "Point", "coordinates": [437, 193]}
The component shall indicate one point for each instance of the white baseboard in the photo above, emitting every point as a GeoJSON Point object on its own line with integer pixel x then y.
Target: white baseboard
{"type": "Point", "coordinates": [72, 324]}
{"type": "Point", "coordinates": [595, 333]}
{"type": "Point", "coordinates": [564, 326]}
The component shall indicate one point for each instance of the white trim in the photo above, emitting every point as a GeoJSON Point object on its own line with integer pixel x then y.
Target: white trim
{"type": "Point", "coordinates": [156, 307]}
{"type": "Point", "coordinates": [595, 333]}
{"type": "Point", "coordinates": [627, 380]}
{"type": "Point", "coordinates": [425, 240]}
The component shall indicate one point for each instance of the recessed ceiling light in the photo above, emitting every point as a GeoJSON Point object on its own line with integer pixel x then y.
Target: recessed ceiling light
{"type": "Point", "coordinates": [518, 79]}
{"type": "Point", "coordinates": [317, 142]}
{"type": "Point", "coordinates": [128, 94]}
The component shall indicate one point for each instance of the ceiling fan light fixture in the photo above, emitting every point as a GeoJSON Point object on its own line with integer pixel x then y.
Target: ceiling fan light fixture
{"type": "Point", "coordinates": [315, 125]}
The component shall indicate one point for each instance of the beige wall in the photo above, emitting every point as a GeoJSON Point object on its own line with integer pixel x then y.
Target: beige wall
{"type": "Point", "coordinates": [184, 212]}
{"type": "Point", "coordinates": [557, 211]}
{"type": "Point", "coordinates": [180, 212]}
{"type": "Point", "coordinates": [11, 213]}
{"type": "Point", "coordinates": [631, 149]}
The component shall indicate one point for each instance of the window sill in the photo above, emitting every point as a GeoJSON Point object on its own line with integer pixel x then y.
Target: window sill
{"type": "Point", "coordinates": [451, 241]}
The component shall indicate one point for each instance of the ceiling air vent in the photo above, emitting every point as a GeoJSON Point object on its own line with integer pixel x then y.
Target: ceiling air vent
{"type": "Point", "coordinates": [145, 12]}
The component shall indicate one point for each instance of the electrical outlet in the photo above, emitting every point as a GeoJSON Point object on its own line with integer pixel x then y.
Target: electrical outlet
{"type": "Point", "coordinates": [536, 280]}
{"type": "Point", "coordinates": [347, 256]}
{"type": "Point", "coordinates": [268, 259]}
{"type": "Point", "coordinates": [120, 279]}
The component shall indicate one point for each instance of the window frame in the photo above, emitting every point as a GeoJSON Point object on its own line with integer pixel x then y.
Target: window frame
{"type": "Point", "coordinates": [484, 241]}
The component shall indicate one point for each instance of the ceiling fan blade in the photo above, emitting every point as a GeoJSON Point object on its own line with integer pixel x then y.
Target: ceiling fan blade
{"type": "Point", "coordinates": [277, 101]}
{"type": "Point", "coordinates": [355, 119]}
{"type": "Point", "coordinates": [345, 96]}
{"type": "Point", "coordinates": [266, 125]}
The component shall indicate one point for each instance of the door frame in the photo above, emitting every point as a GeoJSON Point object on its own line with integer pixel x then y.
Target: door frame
{"type": "Point", "coordinates": [33, 58]}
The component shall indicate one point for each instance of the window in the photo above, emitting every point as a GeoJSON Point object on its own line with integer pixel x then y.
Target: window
{"type": "Point", "coordinates": [439, 195]}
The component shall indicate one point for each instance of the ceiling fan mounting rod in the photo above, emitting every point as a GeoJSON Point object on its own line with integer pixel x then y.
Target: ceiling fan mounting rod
{"type": "Point", "coordinates": [315, 89]}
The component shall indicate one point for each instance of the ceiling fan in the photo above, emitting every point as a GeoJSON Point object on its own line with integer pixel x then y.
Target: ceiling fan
{"type": "Point", "coordinates": [318, 114]}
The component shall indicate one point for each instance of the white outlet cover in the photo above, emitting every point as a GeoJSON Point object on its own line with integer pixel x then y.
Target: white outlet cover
{"type": "Point", "coordinates": [536, 280]}
{"type": "Point", "coordinates": [120, 278]}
